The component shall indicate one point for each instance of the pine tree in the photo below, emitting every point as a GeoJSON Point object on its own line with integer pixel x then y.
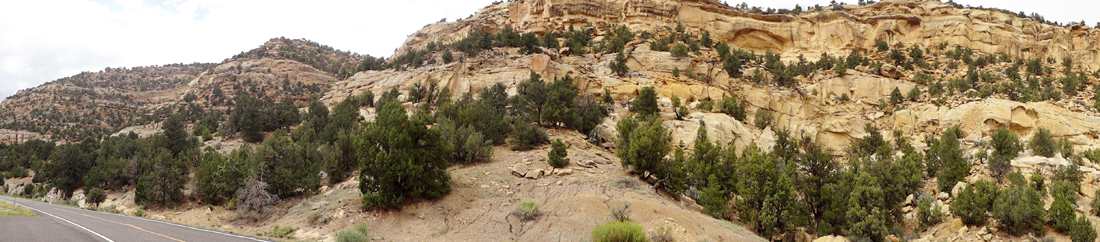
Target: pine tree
{"type": "Point", "coordinates": [401, 159]}
{"type": "Point", "coordinates": [645, 103]}
{"type": "Point", "coordinates": [557, 154]}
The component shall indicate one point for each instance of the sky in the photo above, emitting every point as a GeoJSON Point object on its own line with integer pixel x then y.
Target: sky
{"type": "Point", "coordinates": [43, 40]}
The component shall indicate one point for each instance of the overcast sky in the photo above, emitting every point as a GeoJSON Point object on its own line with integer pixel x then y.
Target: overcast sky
{"type": "Point", "coordinates": [43, 40]}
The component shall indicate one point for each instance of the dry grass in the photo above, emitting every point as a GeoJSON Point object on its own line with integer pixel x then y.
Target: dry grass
{"type": "Point", "coordinates": [8, 209]}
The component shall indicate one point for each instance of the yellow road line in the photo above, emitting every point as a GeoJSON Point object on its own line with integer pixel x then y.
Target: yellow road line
{"type": "Point", "coordinates": [128, 225]}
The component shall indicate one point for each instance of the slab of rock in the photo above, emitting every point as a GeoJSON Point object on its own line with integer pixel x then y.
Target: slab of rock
{"type": "Point", "coordinates": [958, 188]}
{"type": "Point", "coordinates": [831, 238]}
{"type": "Point", "coordinates": [586, 163]}
{"type": "Point", "coordinates": [533, 174]}
{"type": "Point", "coordinates": [564, 172]}
{"type": "Point", "coordinates": [519, 170]}
{"type": "Point", "coordinates": [943, 196]}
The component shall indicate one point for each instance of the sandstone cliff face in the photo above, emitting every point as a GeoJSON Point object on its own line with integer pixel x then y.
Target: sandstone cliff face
{"type": "Point", "coordinates": [925, 23]}
{"type": "Point", "coordinates": [831, 123]}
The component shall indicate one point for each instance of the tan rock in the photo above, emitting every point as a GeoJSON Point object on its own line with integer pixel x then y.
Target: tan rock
{"type": "Point", "coordinates": [519, 170]}
{"type": "Point", "coordinates": [831, 238]}
{"type": "Point", "coordinates": [957, 188]}
{"type": "Point", "coordinates": [533, 174]}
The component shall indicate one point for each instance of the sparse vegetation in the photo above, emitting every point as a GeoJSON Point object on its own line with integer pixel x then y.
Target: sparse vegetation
{"type": "Point", "coordinates": [527, 209]}
{"type": "Point", "coordinates": [619, 232]}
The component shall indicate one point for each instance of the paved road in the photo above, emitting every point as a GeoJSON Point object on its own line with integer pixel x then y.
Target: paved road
{"type": "Point", "coordinates": [60, 223]}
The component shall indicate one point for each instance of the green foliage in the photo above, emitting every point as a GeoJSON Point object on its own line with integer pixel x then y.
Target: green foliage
{"type": "Point", "coordinates": [882, 45]}
{"type": "Point", "coordinates": [340, 158]}
{"type": "Point", "coordinates": [714, 198]}
{"type": "Point", "coordinates": [467, 145]}
{"type": "Point", "coordinates": [527, 209]}
{"type": "Point", "coordinates": [1042, 143]}
{"type": "Point", "coordinates": [606, 97]}
{"type": "Point", "coordinates": [764, 118]}
{"type": "Point", "coordinates": [359, 233]}
{"type": "Point", "coordinates": [1019, 208]}
{"type": "Point", "coordinates": [1062, 215]}
{"type": "Point", "coordinates": [288, 166]}
{"type": "Point", "coordinates": [618, 65]}
{"type": "Point", "coordinates": [896, 97]}
{"type": "Point", "coordinates": [557, 154]}
{"type": "Point", "coordinates": [730, 106]}
{"type": "Point", "coordinates": [1064, 189]}
{"type": "Point", "coordinates": [679, 50]}
{"type": "Point", "coordinates": [972, 203]}
{"type": "Point", "coordinates": [217, 178]}
{"type": "Point", "coordinates": [705, 105]}
{"type": "Point", "coordinates": [768, 200]}
{"type": "Point", "coordinates": [163, 183]}
{"type": "Point", "coordinates": [282, 231]}
{"type": "Point", "coordinates": [929, 213]}
{"type": "Point", "coordinates": [1065, 147]}
{"type": "Point", "coordinates": [531, 97]}
{"type": "Point", "coordinates": [561, 102]}
{"type": "Point", "coordinates": [95, 196]}
{"type": "Point", "coordinates": [645, 103]}
{"type": "Point", "coordinates": [1005, 147]}
{"type": "Point", "coordinates": [1082, 230]}
{"type": "Point", "coordinates": [642, 144]}
{"type": "Point", "coordinates": [139, 213]}
{"type": "Point", "coordinates": [401, 159]}
{"type": "Point", "coordinates": [945, 159]}
{"type": "Point", "coordinates": [619, 232]}
{"type": "Point", "coordinates": [1095, 203]}
{"type": "Point", "coordinates": [69, 163]}
{"type": "Point", "coordinates": [527, 136]}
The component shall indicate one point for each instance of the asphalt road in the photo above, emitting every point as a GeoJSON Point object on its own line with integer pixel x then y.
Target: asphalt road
{"type": "Point", "coordinates": [60, 223]}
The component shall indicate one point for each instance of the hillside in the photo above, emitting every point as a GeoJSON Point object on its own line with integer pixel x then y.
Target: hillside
{"type": "Point", "coordinates": [914, 120]}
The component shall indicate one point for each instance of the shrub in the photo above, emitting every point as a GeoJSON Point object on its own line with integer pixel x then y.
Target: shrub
{"type": "Point", "coordinates": [401, 159]}
{"type": "Point", "coordinates": [882, 45]}
{"type": "Point", "coordinates": [1018, 209]}
{"type": "Point", "coordinates": [1064, 189]}
{"type": "Point", "coordinates": [946, 161]}
{"type": "Point", "coordinates": [357, 234]}
{"type": "Point", "coordinates": [527, 209]}
{"type": "Point", "coordinates": [218, 178]}
{"type": "Point", "coordinates": [527, 136]}
{"type": "Point", "coordinates": [287, 166]}
{"type": "Point", "coordinates": [896, 97]}
{"type": "Point", "coordinates": [646, 102]}
{"type": "Point", "coordinates": [283, 232]}
{"type": "Point", "coordinates": [139, 213]}
{"type": "Point", "coordinates": [1095, 204]}
{"type": "Point", "coordinates": [1042, 143]}
{"type": "Point", "coordinates": [972, 203]}
{"type": "Point", "coordinates": [1062, 215]}
{"type": "Point", "coordinates": [730, 106]}
{"type": "Point", "coordinates": [557, 154]}
{"type": "Point", "coordinates": [1082, 230]}
{"type": "Point", "coordinates": [764, 118]}
{"type": "Point", "coordinates": [253, 200]}
{"type": "Point", "coordinates": [708, 105]}
{"type": "Point", "coordinates": [467, 145]}
{"type": "Point", "coordinates": [618, 66]}
{"type": "Point", "coordinates": [914, 94]}
{"type": "Point", "coordinates": [619, 232]}
{"type": "Point", "coordinates": [621, 213]}
{"type": "Point", "coordinates": [929, 213]}
{"type": "Point", "coordinates": [662, 234]}
{"type": "Point", "coordinates": [1065, 147]}
{"type": "Point", "coordinates": [679, 50]}
{"type": "Point", "coordinates": [1005, 147]}
{"type": "Point", "coordinates": [163, 183]}
{"type": "Point", "coordinates": [28, 190]}
{"type": "Point", "coordinates": [643, 144]}
{"type": "Point", "coordinates": [95, 196]}
{"type": "Point", "coordinates": [676, 72]}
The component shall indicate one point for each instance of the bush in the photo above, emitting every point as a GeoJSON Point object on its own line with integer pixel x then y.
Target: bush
{"type": "Point", "coordinates": [1018, 209]}
{"type": "Point", "coordinates": [708, 105]}
{"type": "Point", "coordinates": [1062, 215]}
{"type": "Point", "coordinates": [527, 136]}
{"type": "Point", "coordinates": [619, 232]}
{"type": "Point", "coordinates": [401, 159]}
{"type": "Point", "coordinates": [357, 234]}
{"type": "Point", "coordinates": [287, 166]}
{"type": "Point", "coordinates": [972, 203]}
{"type": "Point", "coordinates": [618, 66]}
{"type": "Point", "coordinates": [527, 209]}
{"type": "Point", "coordinates": [662, 234]}
{"type": "Point", "coordinates": [621, 213]}
{"type": "Point", "coordinates": [163, 183]}
{"type": "Point", "coordinates": [764, 118]}
{"type": "Point", "coordinates": [929, 213]}
{"type": "Point", "coordinates": [1082, 230]}
{"type": "Point", "coordinates": [557, 154]}
{"type": "Point", "coordinates": [896, 97]}
{"type": "Point", "coordinates": [1065, 148]}
{"type": "Point", "coordinates": [1095, 204]}
{"type": "Point", "coordinates": [946, 161]}
{"type": "Point", "coordinates": [95, 196]}
{"type": "Point", "coordinates": [218, 178]}
{"type": "Point", "coordinates": [643, 144]}
{"type": "Point", "coordinates": [1042, 143]}
{"type": "Point", "coordinates": [283, 232]}
{"type": "Point", "coordinates": [914, 94]}
{"type": "Point", "coordinates": [253, 200]}
{"type": "Point", "coordinates": [646, 102]}
{"type": "Point", "coordinates": [139, 213]}
{"type": "Point", "coordinates": [679, 50]}
{"type": "Point", "coordinates": [1005, 147]}
{"type": "Point", "coordinates": [730, 106]}
{"type": "Point", "coordinates": [467, 145]}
